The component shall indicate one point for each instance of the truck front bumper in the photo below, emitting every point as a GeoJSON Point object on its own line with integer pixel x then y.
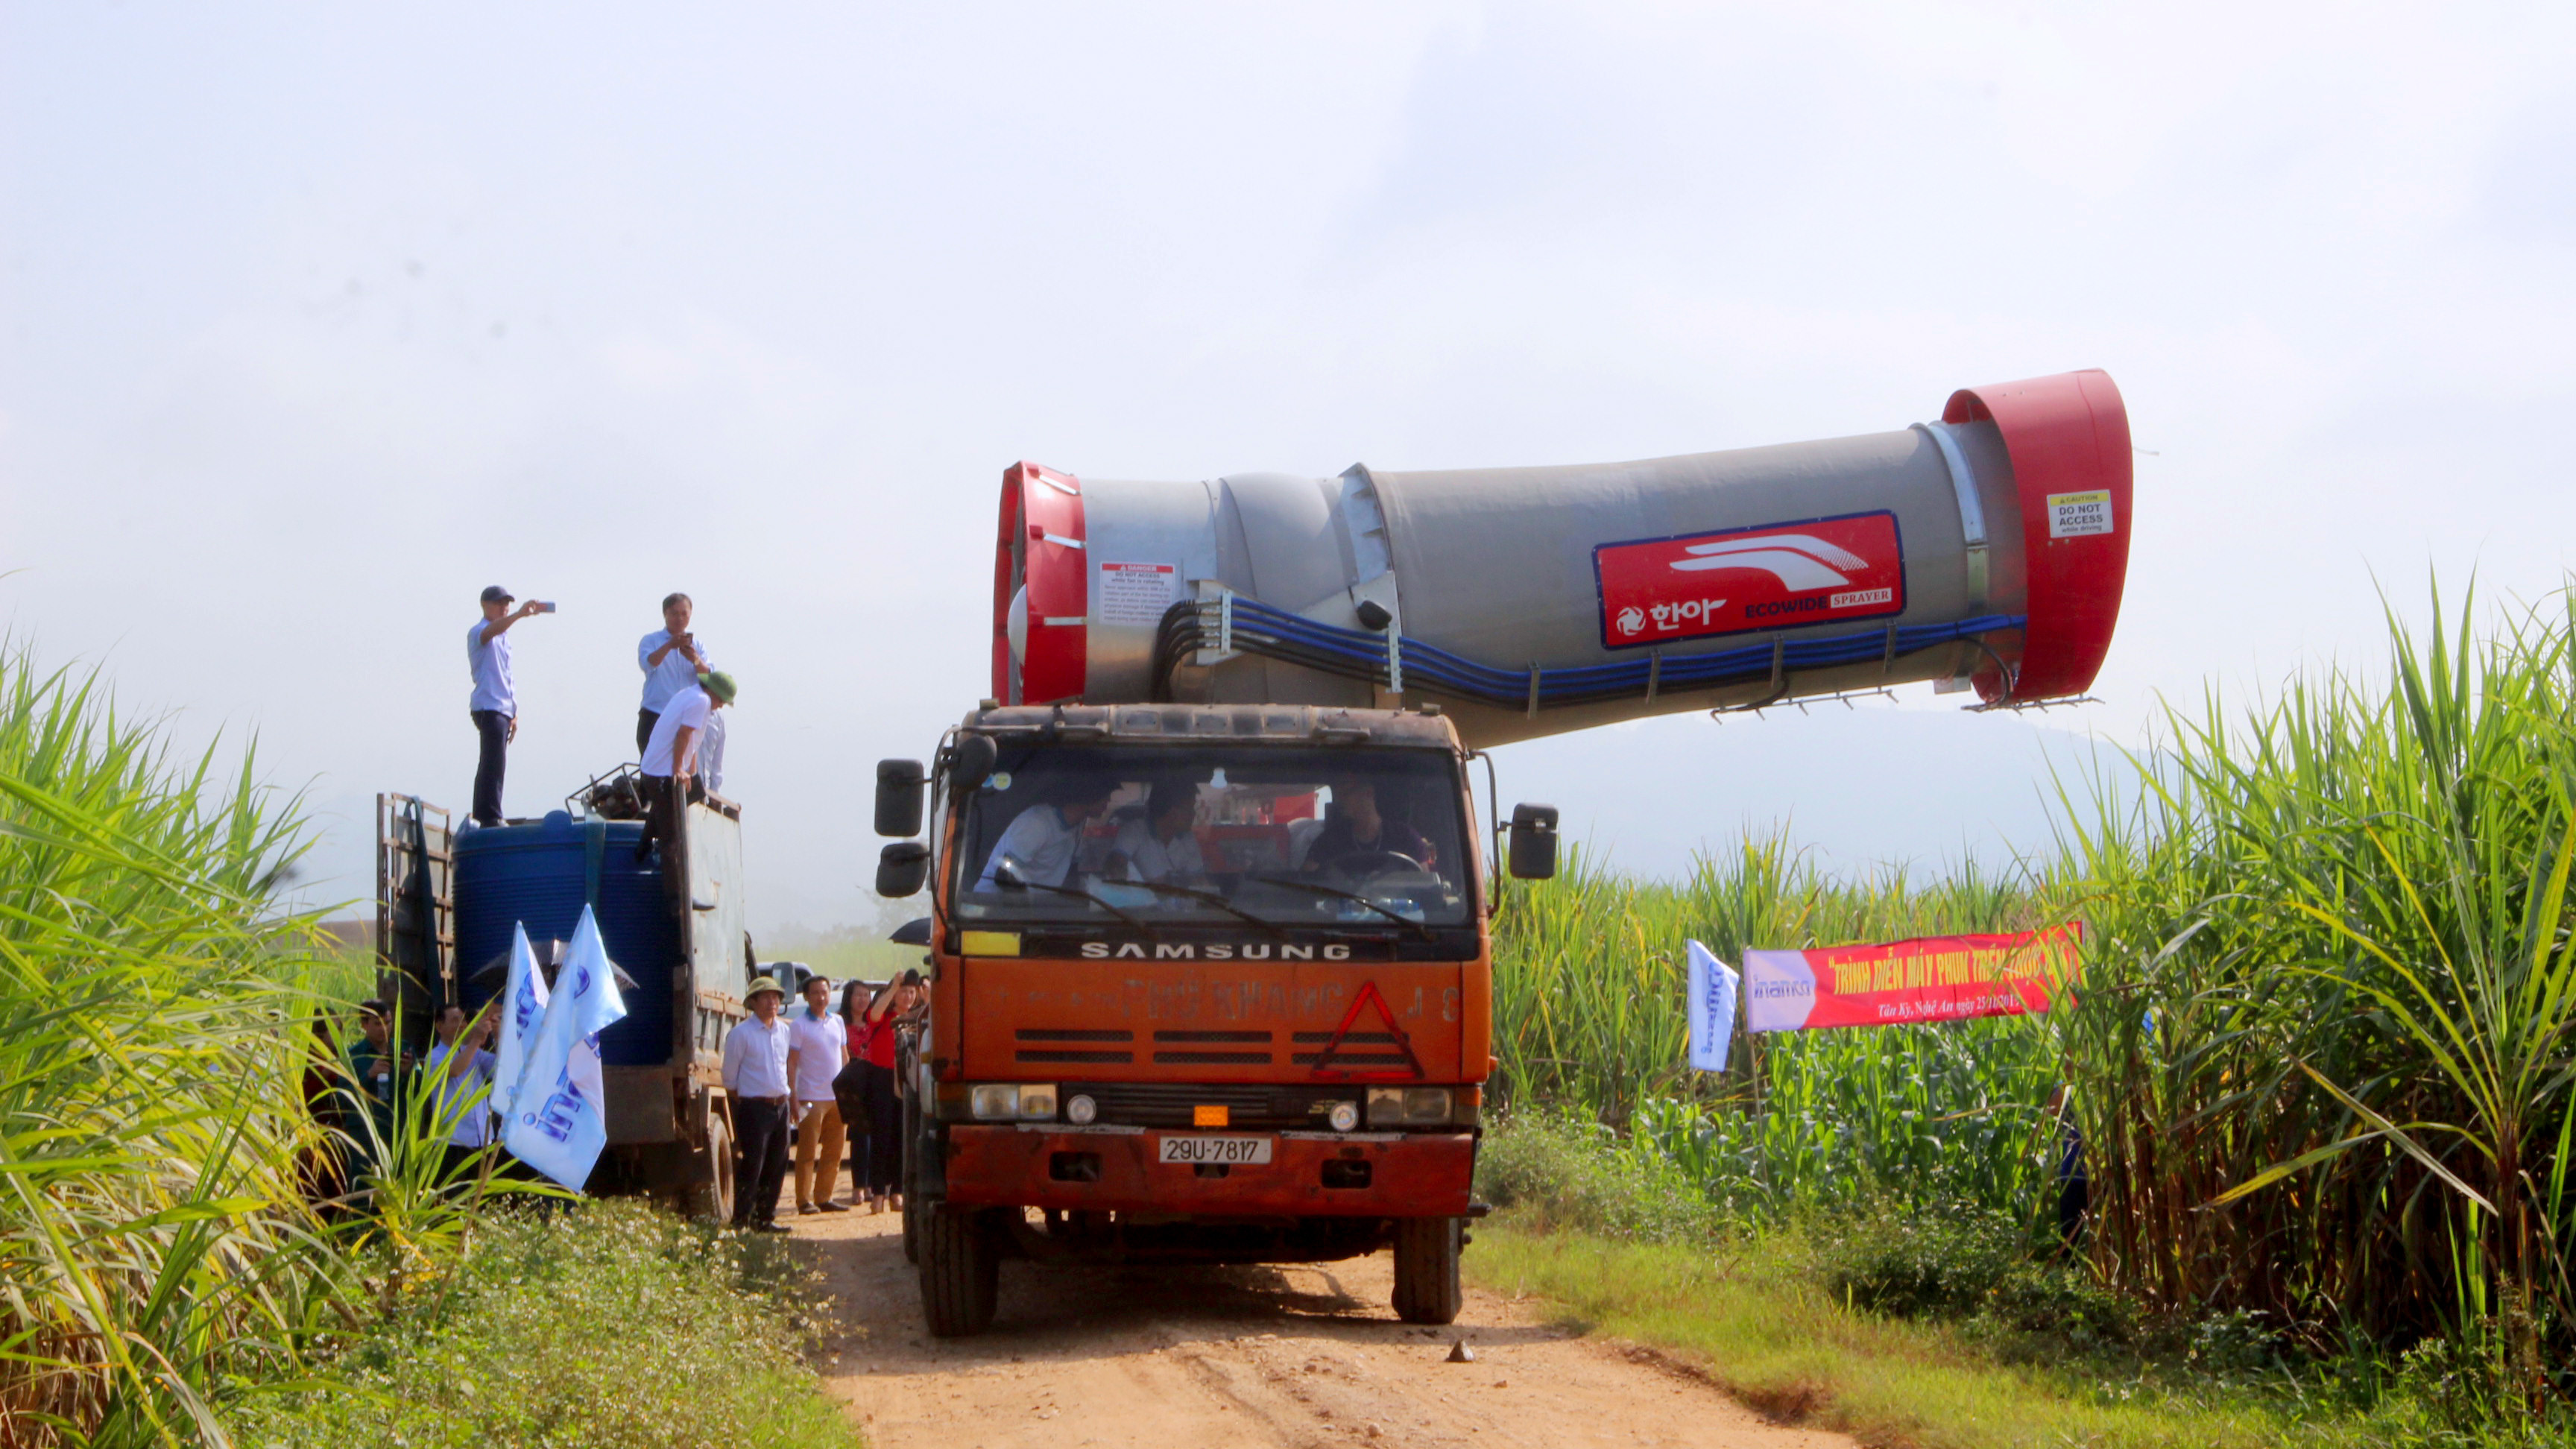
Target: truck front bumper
{"type": "Point", "coordinates": [1309, 1174]}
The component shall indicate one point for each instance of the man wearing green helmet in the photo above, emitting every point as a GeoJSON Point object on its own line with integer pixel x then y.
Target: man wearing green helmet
{"type": "Point", "coordinates": [671, 754]}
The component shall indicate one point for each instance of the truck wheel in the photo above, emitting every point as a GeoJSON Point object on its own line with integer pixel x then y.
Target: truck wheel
{"type": "Point", "coordinates": [710, 1186]}
{"type": "Point", "coordinates": [960, 1271]}
{"type": "Point", "coordinates": [1426, 1269]}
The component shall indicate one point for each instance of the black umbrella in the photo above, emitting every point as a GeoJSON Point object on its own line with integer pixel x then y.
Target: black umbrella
{"type": "Point", "coordinates": [495, 973]}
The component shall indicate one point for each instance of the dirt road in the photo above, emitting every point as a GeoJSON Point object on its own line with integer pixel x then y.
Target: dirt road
{"type": "Point", "coordinates": [1190, 1357]}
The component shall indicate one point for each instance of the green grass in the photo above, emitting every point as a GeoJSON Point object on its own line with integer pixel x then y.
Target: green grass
{"type": "Point", "coordinates": [844, 952]}
{"type": "Point", "coordinates": [1754, 1324]}
{"type": "Point", "coordinates": [1938, 1328]}
{"type": "Point", "coordinates": [607, 1326]}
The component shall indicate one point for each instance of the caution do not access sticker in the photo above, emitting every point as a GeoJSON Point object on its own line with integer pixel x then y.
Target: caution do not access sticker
{"type": "Point", "coordinates": [2073, 515]}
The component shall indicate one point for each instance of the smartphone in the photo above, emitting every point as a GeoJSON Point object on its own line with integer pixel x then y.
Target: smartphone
{"type": "Point", "coordinates": [545, 608]}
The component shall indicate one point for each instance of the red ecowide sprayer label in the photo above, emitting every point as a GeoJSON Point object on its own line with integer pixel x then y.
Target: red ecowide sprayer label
{"type": "Point", "coordinates": [1743, 580]}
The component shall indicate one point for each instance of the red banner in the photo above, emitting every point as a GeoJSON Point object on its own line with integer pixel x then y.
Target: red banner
{"type": "Point", "coordinates": [1933, 978]}
{"type": "Point", "coordinates": [1741, 580]}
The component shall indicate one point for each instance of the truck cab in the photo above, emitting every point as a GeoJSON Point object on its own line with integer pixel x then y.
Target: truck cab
{"type": "Point", "coordinates": [1208, 983]}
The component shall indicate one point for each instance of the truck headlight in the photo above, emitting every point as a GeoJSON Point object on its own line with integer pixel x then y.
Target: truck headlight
{"type": "Point", "coordinates": [995, 1101]}
{"type": "Point", "coordinates": [1408, 1106]}
{"type": "Point", "coordinates": [1037, 1104]}
{"type": "Point", "coordinates": [1080, 1110]}
{"type": "Point", "coordinates": [1344, 1116]}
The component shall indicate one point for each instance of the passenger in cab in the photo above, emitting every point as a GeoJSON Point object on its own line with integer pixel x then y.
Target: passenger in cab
{"type": "Point", "coordinates": [1044, 837]}
{"type": "Point", "coordinates": [1159, 845]}
{"type": "Point", "coordinates": [1358, 831]}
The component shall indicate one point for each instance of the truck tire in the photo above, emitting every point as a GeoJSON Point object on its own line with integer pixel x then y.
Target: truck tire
{"type": "Point", "coordinates": [1426, 1269]}
{"type": "Point", "coordinates": [710, 1188]}
{"type": "Point", "coordinates": [960, 1271]}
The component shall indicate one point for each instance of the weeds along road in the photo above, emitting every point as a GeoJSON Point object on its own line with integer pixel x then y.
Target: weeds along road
{"type": "Point", "coordinates": [1178, 1358]}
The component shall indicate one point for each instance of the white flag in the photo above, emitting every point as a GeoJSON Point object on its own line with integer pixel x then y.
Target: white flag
{"type": "Point", "coordinates": [522, 1005]}
{"type": "Point", "coordinates": [559, 1115]}
{"type": "Point", "coordinates": [1711, 1006]}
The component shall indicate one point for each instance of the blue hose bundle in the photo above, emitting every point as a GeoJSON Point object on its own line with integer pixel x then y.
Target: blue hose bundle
{"type": "Point", "coordinates": [1351, 653]}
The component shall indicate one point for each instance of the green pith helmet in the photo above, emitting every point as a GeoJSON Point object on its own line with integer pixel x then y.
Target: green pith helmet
{"type": "Point", "coordinates": [719, 684]}
{"type": "Point", "coordinates": [765, 983]}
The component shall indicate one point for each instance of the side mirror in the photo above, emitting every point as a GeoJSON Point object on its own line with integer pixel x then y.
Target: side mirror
{"type": "Point", "coordinates": [915, 932]}
{"type": "Point", "coordinates": [1533, 852]}
{"type": "Point", "coordinates": [901, 869]}
{"type": "Point", "coordinates": [899, 785]}
{"type": "Point", "coordinates": [970, 761]}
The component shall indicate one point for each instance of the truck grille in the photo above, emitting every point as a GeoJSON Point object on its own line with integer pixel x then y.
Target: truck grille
{"type": "Point", "coordinates": [1247, 1104]}
{"type": "Point", "coordinates": [1072, 1055]}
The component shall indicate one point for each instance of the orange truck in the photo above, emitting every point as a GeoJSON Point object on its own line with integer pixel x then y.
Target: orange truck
{"type": "Point", "coordinates": [1209, 983]}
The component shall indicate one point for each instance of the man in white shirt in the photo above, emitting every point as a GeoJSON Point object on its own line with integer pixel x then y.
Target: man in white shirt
{"type": "Point", "coordinates": [711, 745]}
{"type": "Point", "coordinates": [755, 1078]}
{"type": "Point", "coordinates": [462, 1070]}
{"type": "Point", "coordinates": [1043, 839]}
{"type": "Point", "coordinates": [495, 704]}
{"type": "Point", "coordinates": [672, 659]}
{"type": "Point", "coordinates": [818, 1046]}
{"type": "Point", "coordinates": [1158, 845]}
{"type": "Point", "coordinates": [670, 756]}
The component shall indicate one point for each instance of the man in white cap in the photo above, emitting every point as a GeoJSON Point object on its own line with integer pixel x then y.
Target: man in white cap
{"type": "Point", "coordinates": [755, 1079]}
{"type": "Point", "coordinates": [495, 705]}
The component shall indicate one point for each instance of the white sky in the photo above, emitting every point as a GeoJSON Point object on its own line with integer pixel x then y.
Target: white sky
{"type": "Point", "coordinates": [315, 319]}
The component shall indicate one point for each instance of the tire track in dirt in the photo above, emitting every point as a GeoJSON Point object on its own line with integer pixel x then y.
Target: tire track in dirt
{"type": "Point", "coordinates": [1292, 1357]}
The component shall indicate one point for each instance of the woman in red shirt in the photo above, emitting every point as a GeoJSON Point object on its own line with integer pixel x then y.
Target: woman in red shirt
{"type": "Point", "coordinates": [876, 1166]}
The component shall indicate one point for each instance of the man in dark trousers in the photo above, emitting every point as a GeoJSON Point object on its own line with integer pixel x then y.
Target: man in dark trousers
{"type": "Point", "coordinates": [755, 1077]}
{"type": "Point", "coordinates": [671, 756]}
{"type": "Point", "coordinates": [495, 705]}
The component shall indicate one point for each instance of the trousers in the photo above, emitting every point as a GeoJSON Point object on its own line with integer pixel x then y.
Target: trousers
{"type": "Point", "coordinates": [664, 798]}
{"type": "Point", "coordinates": [882, 1166]}
{"type": "Point", "coordinates": [493, 757]}
{"type": "Point", "coordinates": [645, 719]}
{"type": "Point", "coordinates": [818, 1154]}
{"type": "Point", "coordinates": [760, 1157]}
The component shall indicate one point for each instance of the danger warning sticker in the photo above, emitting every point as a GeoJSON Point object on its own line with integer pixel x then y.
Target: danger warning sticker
{"type": "Point", "coordinates": [2073, 515]}
{"type": "Point", "coordinates": [1781, 575]}
{"type": "Point", "coordinates": [1136, 593]}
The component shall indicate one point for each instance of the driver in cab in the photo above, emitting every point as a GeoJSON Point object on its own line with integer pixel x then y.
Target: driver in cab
{"type": "Point", "coordinates": [1358, 833]}
{"type": "Point", "coordinates": [1042, 840]}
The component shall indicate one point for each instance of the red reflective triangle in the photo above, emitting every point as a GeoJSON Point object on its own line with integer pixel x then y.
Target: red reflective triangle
{"type": "Point", "coordinates": [1368, 996]}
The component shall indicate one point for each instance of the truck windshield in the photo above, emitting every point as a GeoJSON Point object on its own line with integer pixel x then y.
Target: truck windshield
{"type": "Point", "coordinates": [1187, 833]}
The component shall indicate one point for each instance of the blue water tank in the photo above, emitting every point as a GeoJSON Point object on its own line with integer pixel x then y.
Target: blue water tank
{"type": "Point", "coordinates": [540, 876]}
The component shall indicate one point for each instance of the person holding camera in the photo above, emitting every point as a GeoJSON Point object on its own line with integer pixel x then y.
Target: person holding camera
{"type": "Point", "coordinates": [672, 660]}
{"type": "Point", "coordinates": [495, 705]}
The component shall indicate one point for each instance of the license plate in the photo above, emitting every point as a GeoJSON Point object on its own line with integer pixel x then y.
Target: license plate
{"type": "Point", "coordinates": [1201, 1149]}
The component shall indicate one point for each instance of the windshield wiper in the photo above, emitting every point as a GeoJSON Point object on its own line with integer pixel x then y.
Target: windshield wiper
{"type": "Point", "coordinates": [1212, 898]}
{"type": "Point", "coordinates": [1084, 895]}
{"type": "Point", "coordinates": [1324, 890]}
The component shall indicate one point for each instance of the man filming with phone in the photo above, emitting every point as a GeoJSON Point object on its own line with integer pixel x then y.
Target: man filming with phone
{"type": "Point", "coordinates": [495, 705]}
{"type": "Point", "coordinates": [672, 660]}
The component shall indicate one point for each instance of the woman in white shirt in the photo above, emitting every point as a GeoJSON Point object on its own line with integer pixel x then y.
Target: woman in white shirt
{"type": "Point", "coordinates": [817, 1048]}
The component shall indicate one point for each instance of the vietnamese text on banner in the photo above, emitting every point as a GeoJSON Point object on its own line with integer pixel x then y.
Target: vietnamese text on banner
{"type": "Point", "coordinates": [1934, 978]}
